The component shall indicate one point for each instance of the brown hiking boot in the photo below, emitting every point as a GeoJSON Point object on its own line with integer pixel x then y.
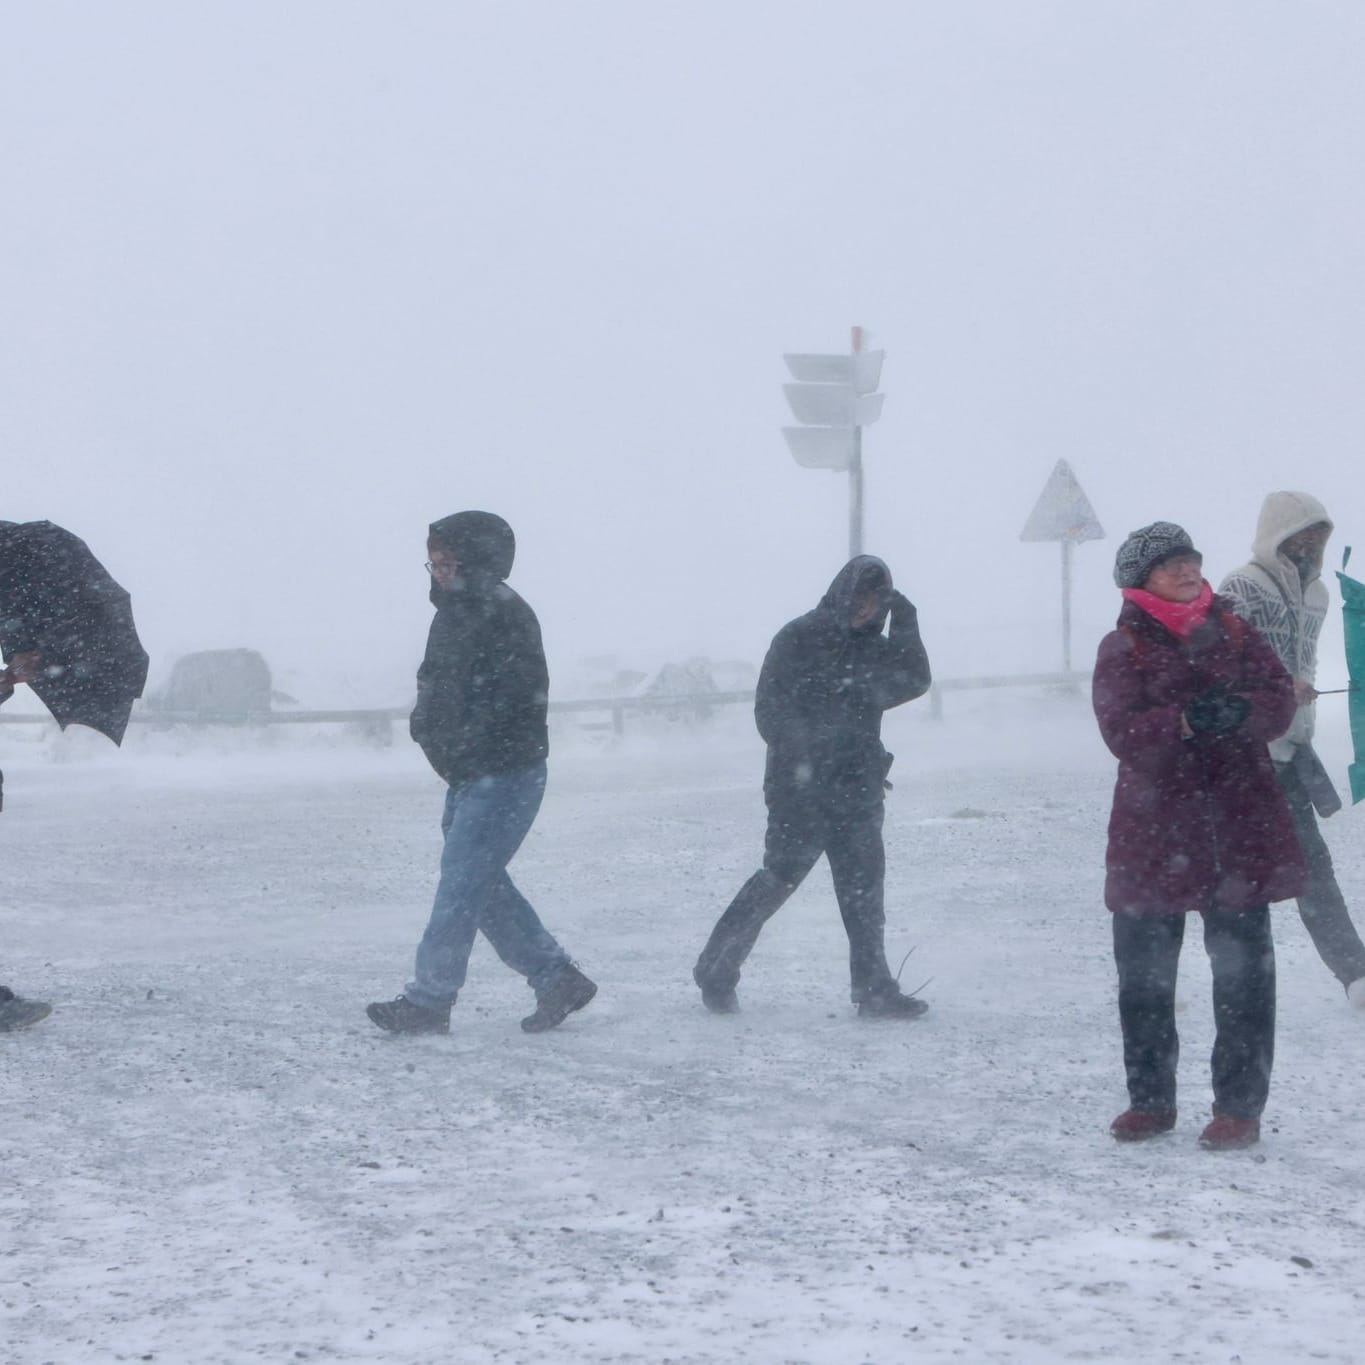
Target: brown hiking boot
{"type": "Point", "coordinates": [569, 991]}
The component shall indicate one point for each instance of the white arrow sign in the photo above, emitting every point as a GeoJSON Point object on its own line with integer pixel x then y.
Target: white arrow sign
{"type": "Point", "coordinates": [1062, 511]}
{"type": "Point", "coordinates": [833, 405]}
{"type": "Point", "coordinates": [821, 447]}
{"type": "Point", "coordinates": [863, 369]}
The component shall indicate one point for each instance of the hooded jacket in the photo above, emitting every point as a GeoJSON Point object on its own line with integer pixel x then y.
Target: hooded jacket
{"type": "Point", "coordinates": [1284, 606]}
{"type": "Point", "coordinates": [824, 685]}
{"type": "Point", "coordinates": [1200, 822]}
{"type": "Point", "coordinates": [482, 686]}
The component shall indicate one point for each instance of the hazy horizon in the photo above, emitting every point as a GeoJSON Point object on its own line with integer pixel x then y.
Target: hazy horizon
{"type": "Point", "coordinates": [284, 284]}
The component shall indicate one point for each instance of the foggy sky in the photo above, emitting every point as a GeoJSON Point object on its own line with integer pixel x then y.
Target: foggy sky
{"type": "Point", "coordinates": [284, 283]}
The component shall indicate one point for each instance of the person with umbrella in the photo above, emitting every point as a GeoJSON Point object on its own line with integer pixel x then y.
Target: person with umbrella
{"type": "Point", "coordinates": [15, 1012]}
{"type": "Point", "coordinates": [1280, 591]}
{"type": "Point", "coordinates": [66, 630]}
{"type": "Point", "coordinates": [1187, 695]}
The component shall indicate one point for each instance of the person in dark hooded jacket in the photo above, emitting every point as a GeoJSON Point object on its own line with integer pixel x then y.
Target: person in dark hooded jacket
{"type": "Point", "coordinates": [825, 682]}
{"type": "Point", "coordinates": [480, 720]}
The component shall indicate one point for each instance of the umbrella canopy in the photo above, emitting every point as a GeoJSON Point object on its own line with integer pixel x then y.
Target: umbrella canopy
{"type": "Point", "coordinates": [1353, 620]}
{"type": "Point", "coordinates": [57, 599]}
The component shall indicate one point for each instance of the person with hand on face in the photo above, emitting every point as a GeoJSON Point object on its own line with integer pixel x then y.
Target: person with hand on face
{"type": "Point", "coordinates": [825, 682]}
{"type": "Point", "coordinates": [1187, 696]}
{"type": "Point", "coordinates": [1281, 592]}
{"type": "Point", "coordinates": [480, 720]}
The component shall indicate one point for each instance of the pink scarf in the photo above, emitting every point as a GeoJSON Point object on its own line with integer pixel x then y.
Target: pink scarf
{"type": "Point", "coordinates": [1180, 618]}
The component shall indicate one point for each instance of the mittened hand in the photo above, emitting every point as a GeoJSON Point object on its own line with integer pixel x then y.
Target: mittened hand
{"type": "Point", "coordinates": [902, 608]}
{"type": "Point", "coordinates": [1217, 713]}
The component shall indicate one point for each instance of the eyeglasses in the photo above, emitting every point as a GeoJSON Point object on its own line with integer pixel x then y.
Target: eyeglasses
{"type": "Point", "coordinates": [449, 564]}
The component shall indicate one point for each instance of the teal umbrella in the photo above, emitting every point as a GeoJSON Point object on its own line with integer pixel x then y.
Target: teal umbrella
{"type": "Point", "coordinates": [1353, 621]}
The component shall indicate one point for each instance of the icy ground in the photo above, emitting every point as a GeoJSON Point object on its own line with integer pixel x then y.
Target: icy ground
{"type": "Point", "coordinates": [210, 1155]}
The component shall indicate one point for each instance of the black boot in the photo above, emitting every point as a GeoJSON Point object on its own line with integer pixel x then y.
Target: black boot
{"type": "Point", "coordinates": [400, 1015]}
{"type": "Point", "coordinates": [569, 991]}
{"type": "Point", "coordinates": [891, 1004]}
{"type": "Point", "coordinates": [718, 999]}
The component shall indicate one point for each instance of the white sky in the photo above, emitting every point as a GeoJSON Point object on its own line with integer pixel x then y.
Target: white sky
{"type": "Point", "coordinates": [283, 283]}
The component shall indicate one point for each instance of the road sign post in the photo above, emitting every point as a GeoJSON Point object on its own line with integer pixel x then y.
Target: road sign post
{"type": "Point", "coordinates": [1063, 513]}
{"type": "Point", "coordinates": [834, 397]}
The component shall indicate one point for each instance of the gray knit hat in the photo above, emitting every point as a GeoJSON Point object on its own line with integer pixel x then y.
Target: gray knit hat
{"type": "Point", "coordinates": [1145, 548]}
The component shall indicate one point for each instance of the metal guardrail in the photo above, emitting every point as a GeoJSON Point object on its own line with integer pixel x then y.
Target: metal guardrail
{"type": "Point", "coordinates": [1072, 681]}
{"type": "Point", "coordinates": [613, 709]}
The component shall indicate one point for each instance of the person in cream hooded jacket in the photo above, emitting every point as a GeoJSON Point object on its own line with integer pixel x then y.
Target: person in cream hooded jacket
{"type": "Point", "coordinates": [1281, 592]}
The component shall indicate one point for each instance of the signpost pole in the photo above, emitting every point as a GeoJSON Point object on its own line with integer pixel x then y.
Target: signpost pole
{"type": "Point", "coordinates": [855, 475]}
{"type": "Point", "coordinates": [855, 496]}
{"type": "Point", "coordinates": [1067, 547]}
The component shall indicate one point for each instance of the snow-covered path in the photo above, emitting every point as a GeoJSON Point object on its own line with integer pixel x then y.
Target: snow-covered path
{"type": "Point", "coordinates": [210, 1155]}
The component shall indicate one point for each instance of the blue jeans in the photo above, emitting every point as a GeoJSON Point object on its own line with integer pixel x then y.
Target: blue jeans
{"type": "Point", "coordinates": [484, 823]}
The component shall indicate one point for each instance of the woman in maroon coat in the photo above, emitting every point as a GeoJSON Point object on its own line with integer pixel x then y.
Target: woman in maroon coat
{"type": "Point", "coordinates": [1187, 695]}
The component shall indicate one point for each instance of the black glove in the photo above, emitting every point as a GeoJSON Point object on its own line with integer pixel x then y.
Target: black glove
{"type": "Point", "coordinates": [902, 608]}
{"type": "Point", "coordinates": [1217, 713]}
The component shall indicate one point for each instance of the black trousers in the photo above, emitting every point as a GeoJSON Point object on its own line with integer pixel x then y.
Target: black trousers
{"type": "Point", "coordinates": [848, 830]}
{"type": "Point", "coordinates": [1242, 955]}
{"type": "Point", "coordinates": [1322, 907]}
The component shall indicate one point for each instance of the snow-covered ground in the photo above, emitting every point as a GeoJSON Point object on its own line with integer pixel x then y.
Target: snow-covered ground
{"type": "Point", "coordinates": [210, 1155]}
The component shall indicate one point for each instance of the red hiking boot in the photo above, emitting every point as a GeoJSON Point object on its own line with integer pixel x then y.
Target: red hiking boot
{"type": "Point", "coordinates": [1228, 1131]}
{"type": "Point", "coordinates": [1136, 1125]}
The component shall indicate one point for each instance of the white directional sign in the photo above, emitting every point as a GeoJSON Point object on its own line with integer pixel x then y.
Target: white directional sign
{"type": "Point", "coordinates": [833, 405]}
{"type": "Point", "coordinates": [1062, 511]}
{"type": "Point", "coordinates": [833, 397]}
{"type": "Point", "coordinates": [861, 369]}
{"type": "Point", "coordinates": [821, 447]}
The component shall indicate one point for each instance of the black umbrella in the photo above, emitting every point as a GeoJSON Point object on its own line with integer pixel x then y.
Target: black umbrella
{"type": "Point", "coordinates": [58, 601]}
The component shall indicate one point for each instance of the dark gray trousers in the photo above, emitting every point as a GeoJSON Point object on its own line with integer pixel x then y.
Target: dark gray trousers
{"type": "Point", "coordinates": [1322, 907]}
{"type": "Point", "coordinates": [1242, 955]}
{"type": "Point", "coordinates": [849, 832]}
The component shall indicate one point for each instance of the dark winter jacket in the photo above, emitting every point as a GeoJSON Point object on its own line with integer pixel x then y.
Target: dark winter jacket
{"type": "Point", "coordinates": [482, 687]}
{"type": "Point", "coordinates": [824, 686]}
{"type": "Point", "coordinates": [1196, 823]}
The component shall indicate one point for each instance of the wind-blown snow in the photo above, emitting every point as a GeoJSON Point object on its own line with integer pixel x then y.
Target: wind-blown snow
{"type": "Point", "coordinates": [210, 1155]}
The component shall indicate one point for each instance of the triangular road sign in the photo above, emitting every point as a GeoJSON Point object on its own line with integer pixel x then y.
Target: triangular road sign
{"type": "Point", "coordinates": [1062, 511]}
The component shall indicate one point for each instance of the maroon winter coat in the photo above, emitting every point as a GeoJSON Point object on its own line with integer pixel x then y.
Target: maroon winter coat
{"type": "Point", "coordinates": [1197, 823]}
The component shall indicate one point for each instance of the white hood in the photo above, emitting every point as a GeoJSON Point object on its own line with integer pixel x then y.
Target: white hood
{"type": "Point", "coordinates": [1283, 515]}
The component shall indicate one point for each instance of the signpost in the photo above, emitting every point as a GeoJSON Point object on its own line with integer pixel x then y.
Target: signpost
{"type": "Point", "coordinates": [834, 397]}
{"type": "Point", "coordinates": [1063, 513]}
